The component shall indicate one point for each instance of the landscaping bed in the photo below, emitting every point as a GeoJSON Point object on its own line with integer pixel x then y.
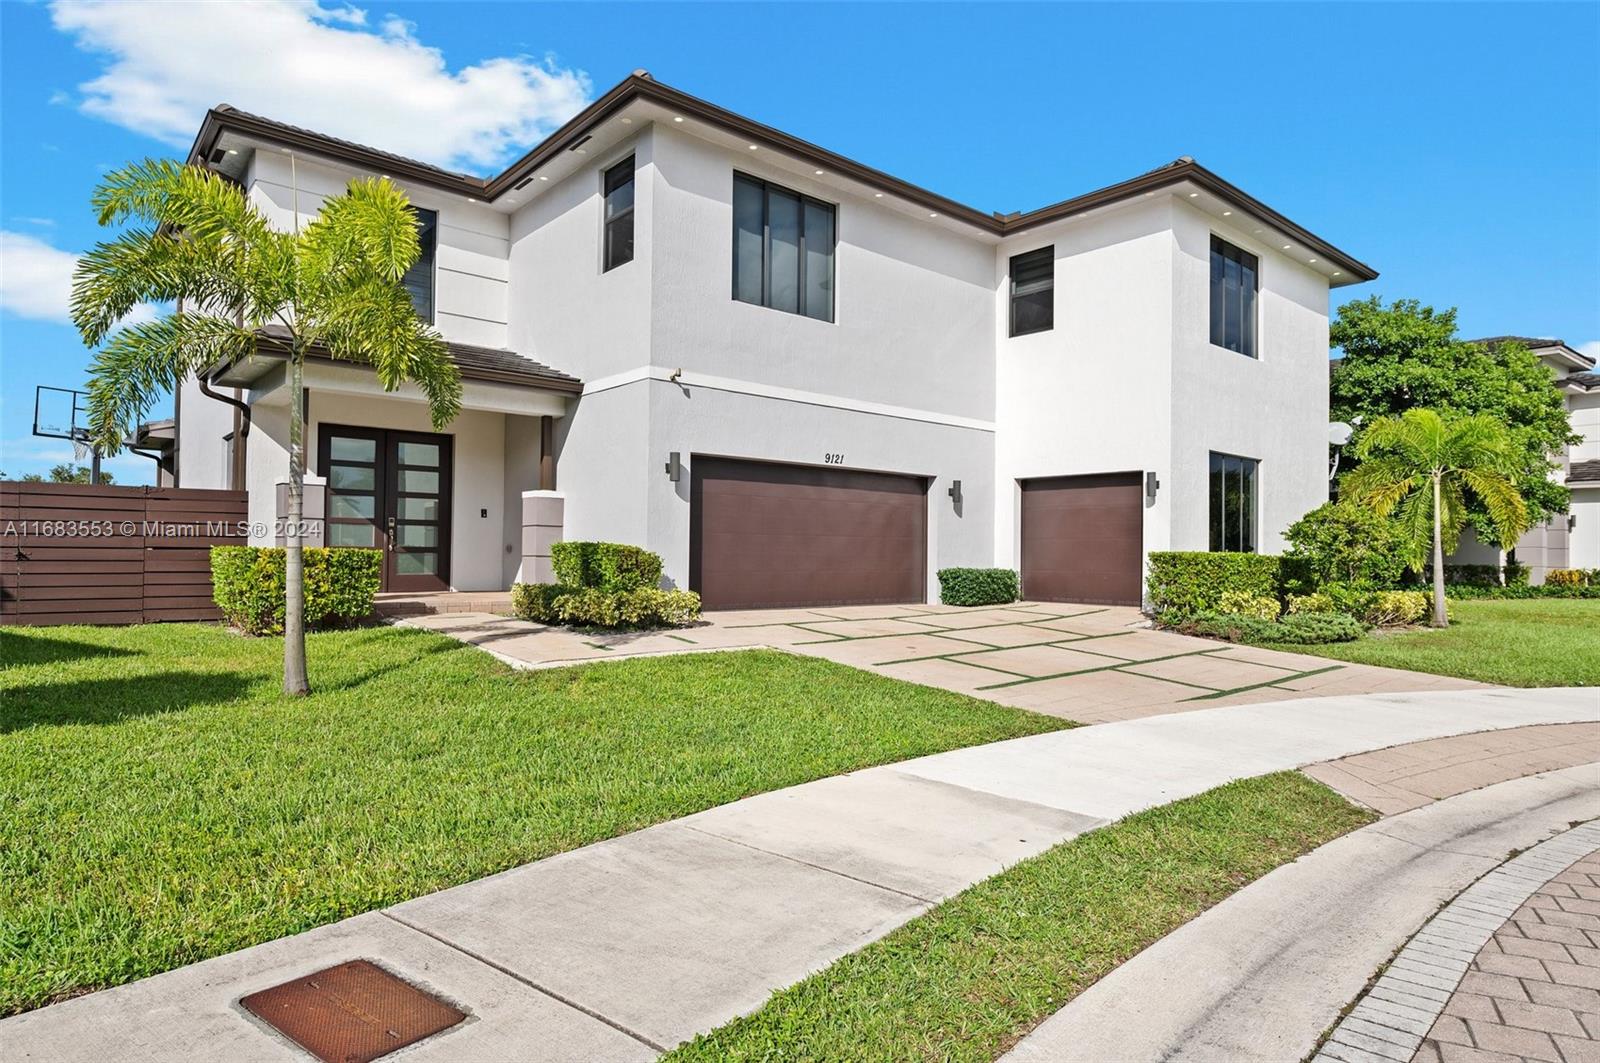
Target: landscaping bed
{"type": "Point", "coordinates": [969, 978]}
{"type": "Point", "coordinates": [164, 803]}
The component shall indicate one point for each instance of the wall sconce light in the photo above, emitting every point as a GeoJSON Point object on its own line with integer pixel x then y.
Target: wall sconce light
{"type": "Point", "coordinates": [1151, 486]}
{"type": "Point", "coordinates": [955, 491]}
{"type": "Point", "coordinates": [674, 467]}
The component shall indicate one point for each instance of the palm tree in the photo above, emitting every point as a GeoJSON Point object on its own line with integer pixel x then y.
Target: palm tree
{"type": "Point", "coordinates": [1422, 464]}
{"type": "Point", "coordinates": [199, 242]}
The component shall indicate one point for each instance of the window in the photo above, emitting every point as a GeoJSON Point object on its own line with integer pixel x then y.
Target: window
{"type": "Point", "coordinates": [1033, 291]}
{"type": "Point", "coordinates": [782, 249]}
{"type": "Point", "coordinates": [1233, 503]}
{"type": "Point", "coordinates": [1233, 297]}
{"type": "Point", "coordinates": [419, 278]}
{"type": "Point", "coordinates": [618, 237]}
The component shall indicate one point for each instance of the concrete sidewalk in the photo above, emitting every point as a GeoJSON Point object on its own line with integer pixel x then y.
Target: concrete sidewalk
{"type": "Point", "coordinates": [627, 947]}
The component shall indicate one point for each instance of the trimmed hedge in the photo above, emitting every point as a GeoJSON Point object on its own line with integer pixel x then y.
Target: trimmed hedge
{"type": "Point", "coordinates": [1296, 628]}
{"type": "Point", "coordinates": [1195, 581]}
{"type": "Point", "coordinates": [1463, 591]}
{"type": "Point", "coordinates": [977, 586]}
{"type": "Point", "coordinates": [247, 583]}
{"type": "Point", "coordinates": [642, 607]}
{"type": "Point", "coordinates": [605, 566]}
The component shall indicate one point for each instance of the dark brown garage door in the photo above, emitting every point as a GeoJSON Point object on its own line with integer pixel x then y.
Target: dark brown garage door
{"type": "Point", "coordinates": [1083, 539]}
{"type": "Point", "coordinates": [784, 535]}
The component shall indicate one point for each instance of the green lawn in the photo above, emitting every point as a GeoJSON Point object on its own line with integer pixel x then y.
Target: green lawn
{"type": "Point", "coordinates": [1531, 642]}
{"type": "Point", "coordinates": [968, 979]}
{"type": "Point", "coordinates": [162, 803]}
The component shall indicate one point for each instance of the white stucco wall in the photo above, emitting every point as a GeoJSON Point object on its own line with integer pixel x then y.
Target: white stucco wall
{"type": "Point", "coordinates": [202, 424]}
{"type": "Point", "coordinates": [1583, 547]}
{"type": "Point", "coordinates": [1585, 413]}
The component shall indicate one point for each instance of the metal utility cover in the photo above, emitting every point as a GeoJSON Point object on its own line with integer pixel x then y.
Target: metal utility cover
{"type": "Point", "coordinates": [351, 1013]}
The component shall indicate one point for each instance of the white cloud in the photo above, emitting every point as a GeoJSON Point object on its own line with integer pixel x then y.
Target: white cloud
{"type": "Point", "coordinates": [1590, 350]}
{"type": "Point", "coordinates": [319, 67]}
{"type": "Point", "coordinates": [36, 281]}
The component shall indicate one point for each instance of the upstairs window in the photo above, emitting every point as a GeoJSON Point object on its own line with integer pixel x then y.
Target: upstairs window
{"type": "Point", "coordinates": [418, 280]}
{"type": "Point", "coordinates": [1033, 291]}
{"type": "Point", "coordinates": [1233, 297]}
{"type": "Point", "coordinates": [783, 246]}
{"type": "Point", "coordinates": [1233, 503]}
{"type": "Point", "coordinates": [618, 236]}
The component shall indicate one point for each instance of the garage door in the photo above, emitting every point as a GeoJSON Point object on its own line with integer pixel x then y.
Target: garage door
{"type": "Point", "coordinates": [784, 535]}
{"type": "Point", "coordinates": [1083, 539]}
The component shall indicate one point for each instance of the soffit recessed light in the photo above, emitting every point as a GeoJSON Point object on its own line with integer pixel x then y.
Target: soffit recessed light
{"type": "Point", "coordinates": [1194, 195]}
{"type": "Point", "coordinates": [471, 200]}
{"type": "Point", "coordinates": [1311, 261]}
{"type": "Point", "coordinates": [1227, 214]}
{"type": "Point", "coordinates": [933, 215]}
{"type": "Point", "coordinates": [877, 195]}
{"type": "Point", "coordinates": [820, 173]}
{"type": "Point", "coordinates": [677, 118]}
{"type": "Point", "coordinates": [1287, 246]}
{"type": "Point", "coordinates": [753, 147]}
{"type": "Point", "coordinates": [627, 121]}
{"type": "Point", "coordinates": [1336, 273]}
{"type": "Point", "coordinates": [542, 177]}
{"type": "Point", "coordinates": [1260, 231]}
{"type": "Point", "coordinates": [233, 151]}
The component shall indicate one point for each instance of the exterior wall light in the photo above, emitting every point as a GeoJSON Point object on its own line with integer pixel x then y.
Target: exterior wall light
{"type": "Point", "coordinates": [674, 467]}
{"type": "Point", "coordinates": [1151, 486]}
{"type": "Point", "coordinates": [955, 491]}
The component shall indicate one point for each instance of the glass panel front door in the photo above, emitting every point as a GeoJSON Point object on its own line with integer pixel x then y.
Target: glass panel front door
{"type": "Point", "coordinates": [391, 490]}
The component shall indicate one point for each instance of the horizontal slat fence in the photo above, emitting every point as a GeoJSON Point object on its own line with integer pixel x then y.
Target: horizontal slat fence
{"type": "Point", "coordinates": [81, 554]}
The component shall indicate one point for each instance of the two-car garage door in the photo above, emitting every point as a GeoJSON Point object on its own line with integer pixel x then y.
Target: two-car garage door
{"type": "Point", "coordinates": [1083, 539]}
{"type": "Point", "coordinates": [787, 535]}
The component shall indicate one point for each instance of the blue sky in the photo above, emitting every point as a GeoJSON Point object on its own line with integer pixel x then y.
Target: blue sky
{"type": "Point", "coordinates": [1456, 148]}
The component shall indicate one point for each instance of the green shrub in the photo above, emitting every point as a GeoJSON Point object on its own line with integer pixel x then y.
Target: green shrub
{"type": "Point", "coordinates": [1392, 608]}
{"type": "Point", "coordinates": [977, 586]}
{"type": "Point", "coordinates": [1544, 590]}
{"type": "Point", "coordinates": [1316, 602]}
{"type": "Point", "coordinates": [1465, 575]}
{"type": "Point", "coordinates": [1350, 599]}
{"type": "Point", "coordinates": [247, 583]}
{"type": "Point", "coordinates": [1192, 581]}
{"type": "Point", "coordinates": [1240, 603]}
{"type": "Point", "coordinates": [1342, 542]}
{"type": "Point", "coordinates": [1296, 628]}
{"type": "Point", "coordinates": [605, 566]}
{"type": "Point", "coordinates": [557, 603]}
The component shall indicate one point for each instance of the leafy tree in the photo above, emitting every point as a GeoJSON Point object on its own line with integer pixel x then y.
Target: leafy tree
{"type": "Point", "coordinates": [1342, 542]}
{"type": "Point", "coordinates": [1406, 355]}
{"type": "Point", "coordinates": [335, 284]}
{"type": "Point", "coordinates": [75, 474]}
{"type": "Point", "coordinates": [1421, 466]}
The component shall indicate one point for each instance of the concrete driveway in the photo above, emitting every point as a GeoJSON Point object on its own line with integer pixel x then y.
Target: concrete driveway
{"type": "Point", "coordinates": [1093, 664]}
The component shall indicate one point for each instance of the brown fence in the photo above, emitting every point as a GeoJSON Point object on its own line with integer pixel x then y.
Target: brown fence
{"type": "Point", "coordinates": [76, 554]}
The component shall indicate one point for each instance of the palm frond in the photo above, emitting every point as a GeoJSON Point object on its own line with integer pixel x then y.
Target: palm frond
{"type": "Point", "coordinates": [1500, 497]}
{"type": "Point", "coordinates": [375, 323]}
{"type": "Point", "coordinates": [1380, 483]}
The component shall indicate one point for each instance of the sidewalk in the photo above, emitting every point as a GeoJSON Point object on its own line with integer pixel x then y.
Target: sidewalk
{"type": "Point", "coordinates": [625, 948]}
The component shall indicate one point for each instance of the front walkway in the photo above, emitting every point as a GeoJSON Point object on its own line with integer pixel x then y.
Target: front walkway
{"type": "Point", "coordinates": [1092, 664]}
{"type": "Point", "coordinates": [622, 949]}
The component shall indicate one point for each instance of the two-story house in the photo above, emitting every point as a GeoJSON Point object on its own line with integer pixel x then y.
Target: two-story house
{"type": "Point", "coordinates": [798, 379]}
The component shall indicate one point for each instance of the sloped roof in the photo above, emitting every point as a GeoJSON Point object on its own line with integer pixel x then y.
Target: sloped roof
{"type": "Point", "coordinates": [1584, 472]}
{"type": "Point", "coordinates": [493, 365]}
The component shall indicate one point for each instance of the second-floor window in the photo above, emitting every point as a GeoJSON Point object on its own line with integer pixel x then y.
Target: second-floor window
{"type": "Point", "coordinates": [1033, 291]}
{"type": "Point", "coordinates": [1233, 503]}
{"type": "Point", "coordinates": [1233, 297]}
{"type": "Point", "coordinates": [618, 239]}
{"type": "Point", "coordinates": [419, 278]}
{"type": "Point", "coordinates": [783, 246]}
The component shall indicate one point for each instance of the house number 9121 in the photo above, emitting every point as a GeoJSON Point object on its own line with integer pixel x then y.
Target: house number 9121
{"type": "Point", "coordinates": [833, 459]}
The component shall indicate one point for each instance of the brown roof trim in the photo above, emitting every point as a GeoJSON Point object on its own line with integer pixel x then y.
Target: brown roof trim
{"type": "Point", "coordinates": [640, 85]}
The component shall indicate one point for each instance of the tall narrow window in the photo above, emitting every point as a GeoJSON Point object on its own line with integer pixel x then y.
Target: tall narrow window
{"type": "Point", "coordinates": [619, 214]}
{"type": "Point", "coordinates": [1233, 297]}
{"type": "Point", "coordinates": [1033, 291]}
{"type": "Point", "coordinates": [1233, 503]}
{"type": "Point", "coordinates": [783, 245]}
{"type": "Point", "coordinates": [419, 278]}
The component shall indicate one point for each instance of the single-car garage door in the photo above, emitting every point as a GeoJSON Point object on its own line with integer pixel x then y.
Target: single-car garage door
{"type": "Point", "coordinates": [1083, 539]}
{"type": "Point", "coordinates": [786, 535]}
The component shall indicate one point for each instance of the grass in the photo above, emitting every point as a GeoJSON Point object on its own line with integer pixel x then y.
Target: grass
{"type": "Point", "coordinates": [162, 803]}
{"type": "Point", "coordinates": [968, 979]}
{"type": "Point", "coordinates": [1530, 642]}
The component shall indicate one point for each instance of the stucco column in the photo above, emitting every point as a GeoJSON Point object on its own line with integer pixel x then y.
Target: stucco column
{"type": "Point", "coordinates": [543, 518]}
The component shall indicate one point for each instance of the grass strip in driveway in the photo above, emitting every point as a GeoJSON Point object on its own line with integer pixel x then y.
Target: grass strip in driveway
{"type": "Point", "coordinates": [1529, 642]}
{"type": "Point", "coordinates": [163, 803]}
{"type": "Point", "coordinates": [971, 977]}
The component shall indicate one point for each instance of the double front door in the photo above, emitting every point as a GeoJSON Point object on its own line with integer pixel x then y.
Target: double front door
{"type": "Point", "coordinates": [390, 490]}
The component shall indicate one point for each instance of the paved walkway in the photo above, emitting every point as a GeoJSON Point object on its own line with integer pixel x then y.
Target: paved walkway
{"type": "Point", "coordinates": [1092, 664]}
{"type": "Point", "coordinates": [1260, 977]}
{"type": "Point", "coordinates": [1507, 971]}
{"type": "Point", "coordinates": [624, 948]}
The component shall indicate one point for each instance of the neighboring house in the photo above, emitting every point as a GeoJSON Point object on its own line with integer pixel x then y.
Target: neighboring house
{"type": "Point", "coordinates": [1571, 539]}
{"type": "Point", "coordinates": [798, 379]}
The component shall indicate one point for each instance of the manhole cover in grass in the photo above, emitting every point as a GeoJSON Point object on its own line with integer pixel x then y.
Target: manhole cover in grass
{"type": "Point", "coordinates": [351, 1013]}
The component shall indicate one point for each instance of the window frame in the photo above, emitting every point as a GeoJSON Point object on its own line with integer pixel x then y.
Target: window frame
{"type": "Point", "coordinates": [606, 265]}
{"type": "Point", "coordinates": [1046, 253]}
{"type": "Point", "coordinates": [1249, 510]}
{"type": "Point", "coordinates": [767, 188]}
{"type": "Point", "coordinates": [1249, 330]}
{"type": "Point", "coordinates": [433, 266]}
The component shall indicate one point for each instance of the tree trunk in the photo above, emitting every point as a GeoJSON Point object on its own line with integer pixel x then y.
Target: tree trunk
{"type": "Point", "coordinates": [295, 680]}
{"type": "Point", "coordinates": [1440, 617]}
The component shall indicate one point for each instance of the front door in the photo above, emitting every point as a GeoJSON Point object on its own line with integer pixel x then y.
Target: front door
{"type": "Point", "coordinates": [391, 490]}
